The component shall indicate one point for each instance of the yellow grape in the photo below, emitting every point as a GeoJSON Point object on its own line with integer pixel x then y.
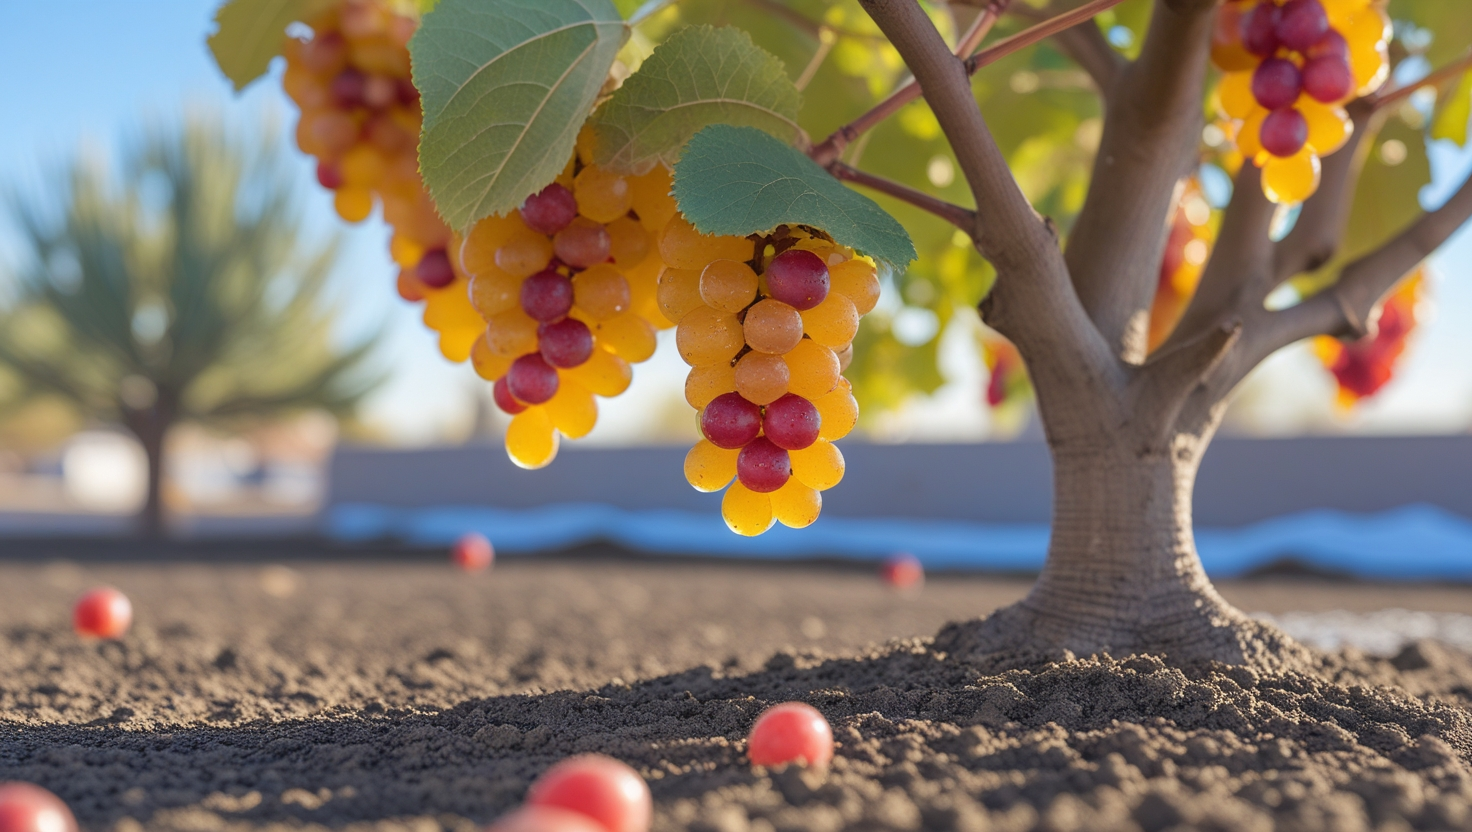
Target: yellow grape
{"type": "Point", "coordinates": [1329, 127]}
{"type": "Point", "coordinates": [678, 292]}
{"type": "Point", "coordinates": [845, 357]}
{"type": "Point", "coordinates": [488, 365]}
{"type": "Point", "coordinates": [838, 412]}
{"type": "Point", "coordinates": [1235, 93]}
{"type": "Point", "coordinates": [706, 381]}
{"type": "Point", "coordinates": [728, 285]}
{"type": "Point", "coordinates": [603, 196]}
{"type": "Point", "coordinates": [404, 251]}
{"type": "Point", "coordinates": [761, 378]}
{"type": "Point", "coordinates": [363, 166]}
{"type": "Point", "coordinates": [1370, 63]}
{"type": "Point", "coordinates": [628, 242]}
{"type": "Point", "coordinates": [306, 89]}
{"type": "Point", "coordinates": [832, 323]}
{"type": "Point", "coordinates": [511, 333]}
{"type": "Point", "coordinates": [819, 466]}
{"type": "Point", "coordinates": [856, 280]}
{"type": "Point", "coordinates": [478, 252]}
{"type": "Point", "coordinates": [1249, 138]}
{"type": "Point", "coordinates": [494, 292]}
{"type": "Point", "coordinates": [628, 336]}
{"type": "Point", "coordinates": [326, 132]}
{"type": "Point", "coordinates": [531, 439]}
{"type": "Point", "coordinates": [1340, 12]}
{"type": "Point", "coordinates": [524, 254]}
{"type": "Point", "coordinates": [1290, 180]}
{"type": "Point", "coordinates": [604, 374]}
{"type": "Point", "coordinates": [682, 247]}
{"type": "Point", "coordinates": [572, 408]}
{"type": "Point", "coordinates": [650, 195]}
{"type": "Point", "coordinates": [709, 468]}
{"type": "Point", "coordinates": [794, 505]}
{"type": "Point", "coordinates": [746, 512]}
{"type": "Point", "coordinates": [600, 291]}
{"type": "Point", "coordinates": [707, 335]}
{"type": "Point", "coordinates": [772, 326]}
{"type": "Point", "coordinates": [353, 204]}
{"type": "Point", "coordinates": [813, 369]}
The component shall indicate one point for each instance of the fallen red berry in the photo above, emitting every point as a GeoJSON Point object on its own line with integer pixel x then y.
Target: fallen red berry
{"type": "Point", "coordinates": [28, 808]}
{"type": "Point", "coordinates": [473, 553]}
{"type": "Point", "coordinates": [902, 571]}
{"type": "Point", "coordinates": [545, 819]}
{"type": "Point", "coordinates": [103, 613]}
{"type": "Point", "coordinates": [793, 732]}
{"type": "Point", "coordinates": [598, 787]}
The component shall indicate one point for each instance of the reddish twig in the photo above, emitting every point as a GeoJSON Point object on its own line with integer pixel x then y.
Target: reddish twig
{"type": "Point", "coordinates": [1446, 73]}
{"type": "Point", "coordinates": [954, 214]}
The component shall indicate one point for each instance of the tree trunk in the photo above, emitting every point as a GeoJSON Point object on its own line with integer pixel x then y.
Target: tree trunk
{"type": "Point", "coordinates": [151, 516]}
{"type": "Point", "coordinates": [1122, 574]}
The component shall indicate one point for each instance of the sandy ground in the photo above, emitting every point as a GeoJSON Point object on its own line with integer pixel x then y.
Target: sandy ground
{"type": "Point", "coordinates": [399, 695]}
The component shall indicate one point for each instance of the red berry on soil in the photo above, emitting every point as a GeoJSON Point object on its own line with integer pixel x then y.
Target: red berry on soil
{"type": "Point", "coordinates": [473, 552]}
{"type": "Point", "coordinates": [545, 819]}
{"type": "Point", "coordinates": [598, 787]}
{"type": "Point", "coordinates": [329, 175]}
{"type": "Point", "coordinates": [583, 243]}
{"type": "Point", "coordinates": [434, 269]}
{"type": "Point", "coordinates": [798, 278]}
{"type": "Point", "coordinates": [1260, 29]}
{"type": "Point", "coordinates": [762, 466]}
{"type": "Point", "coordinates": [566, 343]}
{"type": "Point", "coordinates": [28, 808]}
{"type": "Point", "coordinates": [546, 295]}
{"type": "Point", "coordinates": [550, 210]}
{"type": "Point", "coordinates": [730, 421]}
{"type": "Point", "coordinates": [902, 570]}
{"type": "Point", "coordinates": [501, 392]}
{"type": "Point", "coordinates": [347, 88]}
{"type": "Point", "coordinates": [103, 613]}
{"type": "Point", "coordinates": [1328, 79]}
{"type": "Point", "coordinates": [531, 379]}
{"type": "Point", "coordinates": [791, 422]}
{"type": "Point", "coordinates": [1301, 23]}
{"type": "Point", "coordinates": [1276, 83]}
{"type": "Point", "coordinates": [1284, 132]}
{"type": "Point", "coordinates": [793, 732]}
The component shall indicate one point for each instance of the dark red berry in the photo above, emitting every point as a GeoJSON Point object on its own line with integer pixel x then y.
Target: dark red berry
{"type": "Point", "coordinates": [762, 466]}
{"type": "Point", "coordinates": [546, 296]}
{"type": "Point", "coordinates": [504, 400]}
{"type": "Point", "coordinates": [550, 210]}
{"type": "Point", "coordinates": [1332, 43]}
{"type": "Point", "coordinates": [329, 175]}
{"type": "Point", "coordinates": [566, 343]}
{"type": "Point", "coordinates": [347, 88]}
{"type": "Point", "coordinates": [1301, 23]}
{"type": "Point", "coordinates": [1260, 30]}
{"type": "Point", "coordinates": [1284, 132]}
{"type": "Point", "coordinates": [434, 269]}
{"type": "Point", "coordinates": [1328, 79]}
{"type": "Point", "coordinates": [798, 278]}
{"type": "Point", "coordinates": [791, 422]}
{"type": "Point", "coordinates": [408, 93]}
{"type": "Point", "coordinates": [730, 421]}
{"type": "Point", "coordinates": [1276, 83]}
{"type": "Point", "coordinates": [531, 379]}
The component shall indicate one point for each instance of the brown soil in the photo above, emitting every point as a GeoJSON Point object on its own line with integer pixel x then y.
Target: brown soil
{"type": "Point", "coordinates": [409, 696]}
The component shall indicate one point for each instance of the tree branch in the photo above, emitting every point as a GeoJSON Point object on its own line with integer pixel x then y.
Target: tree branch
{"type": "Point", "coordinates": [1086, 46]}
{"type": "Point", "coordinates": [1162, 386]}
{"type": "Point", "coordinates": [1151, 135]}
{"type": "Point", "coordinates": [1320, 227]}
{"type": "Point", "coordinates": [953, 214]}
{"type": "Point", "coordinates": [1446, 73]}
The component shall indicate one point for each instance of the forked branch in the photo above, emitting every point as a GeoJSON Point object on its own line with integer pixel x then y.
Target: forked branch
{"type": "Point", "coordinates": [951, 213]}
{"type": "Point", "coordinates": [1087, 47]}
{"type": "Point", "coordinates": [1320, 228]}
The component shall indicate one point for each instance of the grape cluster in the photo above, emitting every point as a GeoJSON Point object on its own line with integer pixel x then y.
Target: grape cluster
{"type": "Point", "coordinates": [1187, 247]}
{"type": "Point", "coordinates": [360, 118]}
{"type": "Point", "coordinates": [1363, 367]}
{"type": "Point", "coordinates": [564, 293]}
{"type": "Point", "coordinates": [1288, 68]}
{"type": "Point", "coordinates": [1006, 374]}
{"type": "Point", "coordinates": [766, 324]}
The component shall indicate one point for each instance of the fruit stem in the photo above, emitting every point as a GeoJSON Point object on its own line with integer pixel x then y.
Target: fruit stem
{"type": "Point", "coordinates": [954, 214]}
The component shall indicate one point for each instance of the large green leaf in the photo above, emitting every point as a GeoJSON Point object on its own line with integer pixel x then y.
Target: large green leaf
{"type": "Point", "coordinates": [250, 34]}
{"type": "Point", "coordinates": [740, 180]}
{"type": "Point", "coordinates": [701, 75]}
{"type": "Point", "coordinates": [506, 86]}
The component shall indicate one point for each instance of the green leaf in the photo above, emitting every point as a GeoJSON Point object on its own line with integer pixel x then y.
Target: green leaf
{"type": "Point", "coordinates": [506, 85]}
{"type": "Point", "coordinates": [250, 34]}
{"type": "Point", "coordinates": [739, 180]}
{"type": "Point", "coordinates": [701, 75]}
{"type": "Point", "coordinates": [1454, 110]}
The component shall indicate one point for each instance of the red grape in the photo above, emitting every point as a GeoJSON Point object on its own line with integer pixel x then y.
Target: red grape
{"type": "Point", "coordinates": [325, 54]}
{"type": "Point", "coordinates": [434, 269]}
{"type": "Point", "coordinates": [791, 422]}
{"type": "Point", "coordinates": [1260, 29]}
{"type": "Point", "coordinates": [28, 808]}
{"type": "Point", "coordinates": [1284, 132]}
{"type": "Point", "coordinates": [1301, 23]}
{"type": "Point", "coordinates": [566, 343]}
{"type": "Point", "coordinates": [792, 732]}
{"type": "Point", "coordinates": [473, 552]}
{"type": "Point", "coordinates": [329, 175]}
{"type": "Point", "coordinates": [347, 88]}
{"type": "Point", "coordinates": [902, 570]}
{"type": "Point", "coordinates": [501, 392]}
{"type": "Point", "coordinates": [408, 93]}
{"type": "Point", "coordinates": [762, 466]}
{"type": "Point", "coordinates": [798, 278]}
{"type": "Point", "coordinates": [1276, 83]}
{"type": "Point", "coordinates": [730, 421]}
{"type": "Point", "coordinates": [1328, 78]}
{"type": "Point", "coordinates": [103, 613]}
{"type": "Point", "coordinates": [545, 819]}
{"type": "Point", "coordinates": [1332, 43]}
{"type": "Point", "coordinates": [546, 295]}
{"type": "Point", "coordinates": [531, 379]}
{"type": "Point", "coordinates": [550, 210]}
{"type": "Point", "coordinates": [598, 787]}
{"type": "Point", "coordinates": [582, 243]}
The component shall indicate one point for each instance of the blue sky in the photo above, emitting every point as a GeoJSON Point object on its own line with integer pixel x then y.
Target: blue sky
{"type": "Point", "coordinates": [89, 74]}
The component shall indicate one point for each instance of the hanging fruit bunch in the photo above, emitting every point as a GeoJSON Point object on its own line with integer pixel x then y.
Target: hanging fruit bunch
{"type": "Point", "coordinates": [1289, 67]}
{"type": "Point", "coordinates": [1187, 247]}
{"type": "Point", "coordinates": [1007, 375]}
{"type": "Point", "coordinates": [766, 324]}
{"type": "Point", "coordinates": [360, 118]}
{"type": "Point", "coordinates": [1362, 368]}
{"type": "Point", "coordinates": [563, 292]}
